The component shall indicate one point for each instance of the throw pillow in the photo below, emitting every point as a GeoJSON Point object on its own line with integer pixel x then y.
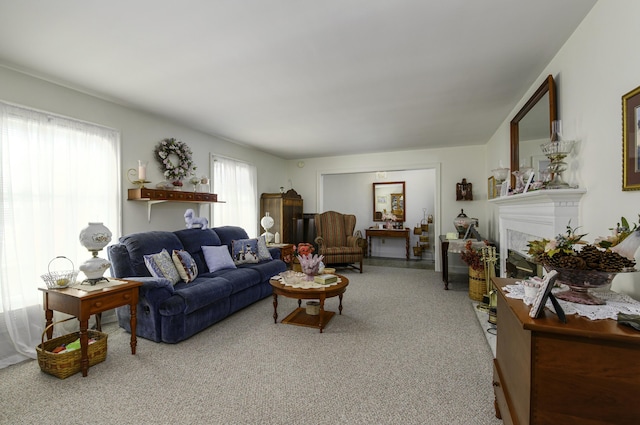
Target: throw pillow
{"type": "Point", "coordinates": [161, 265]}
{"type": "Point", "coordinates": [217, 258]}
{"type": "Point", "coordinates": [263, 251]}
{"type": "Point", "coordinates": [244, 251]}
{"type": "Point", "coordinates": [185, 264]}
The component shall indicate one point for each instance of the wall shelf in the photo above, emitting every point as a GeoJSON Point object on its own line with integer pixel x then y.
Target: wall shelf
{"type": "Point", "coordinates": [158, 196]}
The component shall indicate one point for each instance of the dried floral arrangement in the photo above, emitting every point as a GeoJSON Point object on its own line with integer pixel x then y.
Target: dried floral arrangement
{"type": "Point", "coordinates": [570, 251]}
{"type": "Point", "coordinates": [473, 257]}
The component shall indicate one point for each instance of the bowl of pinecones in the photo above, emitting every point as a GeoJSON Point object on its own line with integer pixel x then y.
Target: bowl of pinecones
{"type": "Point", "coordinates": [580, 269]}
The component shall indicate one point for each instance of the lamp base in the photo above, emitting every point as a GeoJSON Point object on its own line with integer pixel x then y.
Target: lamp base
{"type": "Point", "coordinates": [94, 281]}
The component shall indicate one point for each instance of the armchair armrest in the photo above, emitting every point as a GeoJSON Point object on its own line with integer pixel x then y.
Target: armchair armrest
{"type": "Point", "coordinates": [319, 241]}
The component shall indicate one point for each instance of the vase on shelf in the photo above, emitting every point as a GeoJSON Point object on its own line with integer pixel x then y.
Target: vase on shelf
{"type": "Point", "coordinates": [177, 184]}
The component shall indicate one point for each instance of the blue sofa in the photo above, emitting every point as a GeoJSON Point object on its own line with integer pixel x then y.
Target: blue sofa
{"type": "Point", "coordinates": [172, 313]}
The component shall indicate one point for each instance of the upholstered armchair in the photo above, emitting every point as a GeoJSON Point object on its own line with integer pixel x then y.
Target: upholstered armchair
{"type": "Point", "coordinates": [336, 239]}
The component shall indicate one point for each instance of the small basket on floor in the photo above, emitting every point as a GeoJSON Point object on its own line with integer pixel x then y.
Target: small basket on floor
{"type": "Point", "coordinates": [66, 364]}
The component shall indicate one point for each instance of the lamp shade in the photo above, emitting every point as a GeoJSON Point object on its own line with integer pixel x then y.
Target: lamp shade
{"type": "Point", "coordinates": [95, 236]}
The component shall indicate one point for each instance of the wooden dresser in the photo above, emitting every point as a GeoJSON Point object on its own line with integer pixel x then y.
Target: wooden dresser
{"type": "Point", "coordinates": [547, 372]}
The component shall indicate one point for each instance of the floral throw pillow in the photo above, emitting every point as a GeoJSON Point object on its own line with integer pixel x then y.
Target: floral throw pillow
{"type": "Point", "coordinates": [185, 264]}
{"type": "Point", "coordinates": [161, 265]}
{"type": "Point", "coordinates": [263, 251]}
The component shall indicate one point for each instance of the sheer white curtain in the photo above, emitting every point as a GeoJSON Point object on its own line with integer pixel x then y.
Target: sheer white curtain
{"type": "Point", "coordinates": [235, 183]}
{"type": "Point", "coordinates": [57, 175]}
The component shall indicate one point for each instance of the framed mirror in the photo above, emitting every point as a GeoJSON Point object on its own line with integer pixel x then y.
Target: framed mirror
{"type": "Point", "coordinates": [389, 197]}
{"type": "Point", "coordinates": [531, 127]}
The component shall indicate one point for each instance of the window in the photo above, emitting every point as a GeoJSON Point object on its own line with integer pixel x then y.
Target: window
{"type": "Point", "coordinates": [235, 183]}
{"type": "Point", "coordinates": [57, 175]}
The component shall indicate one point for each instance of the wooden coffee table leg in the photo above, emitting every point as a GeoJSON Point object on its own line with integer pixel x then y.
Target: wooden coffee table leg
{"type": "Point", "coordinates": [275, 308]}
{"type": "Point", "coordinates": [340, 304]}
{"type": "Point", "coordinates": [321, 314]}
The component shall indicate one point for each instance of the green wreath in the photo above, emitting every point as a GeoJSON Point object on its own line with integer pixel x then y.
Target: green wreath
{"type": "Point", "coordinates": [175, 159]}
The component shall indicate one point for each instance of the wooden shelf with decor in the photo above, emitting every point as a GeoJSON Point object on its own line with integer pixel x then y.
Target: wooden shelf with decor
{"type": "Point", "coordinates": [157, 196]}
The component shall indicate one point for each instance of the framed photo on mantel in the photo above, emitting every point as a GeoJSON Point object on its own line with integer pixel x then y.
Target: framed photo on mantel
{"type": "Point", "coordinates": [631, 140]}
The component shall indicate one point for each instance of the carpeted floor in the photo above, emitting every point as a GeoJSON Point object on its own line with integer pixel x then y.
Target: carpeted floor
{"type": "Point", "coordinates": [404, 351]}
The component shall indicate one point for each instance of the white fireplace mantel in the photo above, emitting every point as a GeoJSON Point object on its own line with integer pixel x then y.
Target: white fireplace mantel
{"type": "Point", "coordinates": [535, 215]}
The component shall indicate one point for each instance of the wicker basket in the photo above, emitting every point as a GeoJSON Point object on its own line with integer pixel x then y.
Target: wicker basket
{"type": "Point", "coordinates": [477, 284]}
{"type": "Point", "coordinates": [66, 364]}
{"type": "Point", "coordinates": [59, 279]}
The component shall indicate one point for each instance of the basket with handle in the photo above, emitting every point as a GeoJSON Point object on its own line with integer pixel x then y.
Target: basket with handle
{"type": "Point", "coordinates": [59, 279]}
{"type": "Point", "coordinates": [66, 364]}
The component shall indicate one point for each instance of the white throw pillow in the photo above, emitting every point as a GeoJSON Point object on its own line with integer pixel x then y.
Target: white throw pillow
{"type": "Point", "coordinates": [217, 258]}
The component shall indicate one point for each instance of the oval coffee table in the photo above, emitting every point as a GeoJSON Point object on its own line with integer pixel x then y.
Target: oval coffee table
{"type": "Point", "coordinates": [299, 316]}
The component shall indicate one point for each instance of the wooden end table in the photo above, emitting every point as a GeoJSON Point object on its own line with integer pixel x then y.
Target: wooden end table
{"type": "Point", "coordinates": [82, 304]}
{"type": "Point", "coordinates": [299, 316]}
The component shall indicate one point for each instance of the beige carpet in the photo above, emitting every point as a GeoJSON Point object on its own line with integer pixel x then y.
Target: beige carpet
{"type": "Point", "coordinates": [404, 351]}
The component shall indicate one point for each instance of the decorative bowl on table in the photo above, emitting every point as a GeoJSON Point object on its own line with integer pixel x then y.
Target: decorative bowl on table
{"type": "Point", "coordinates": [580, 281]}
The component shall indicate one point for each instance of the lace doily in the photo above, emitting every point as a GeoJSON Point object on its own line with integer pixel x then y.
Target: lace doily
{"type": "Point", "coordinates": [616, 303]}
{"type": "Point", "coordinates": [299, 281]}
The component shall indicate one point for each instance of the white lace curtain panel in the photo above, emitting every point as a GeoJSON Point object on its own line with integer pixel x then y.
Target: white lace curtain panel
{"type": "Point", "coordinates": [235, 183]}
{"type": "Point", "coordinates": [57, 175]}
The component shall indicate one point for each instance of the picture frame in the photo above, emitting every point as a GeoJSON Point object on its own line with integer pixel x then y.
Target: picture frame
{"type": "Point", "coordinates": [504, 187]}
{"type": "Point", "coordinates": [529, 180]}
{"type": "Point", "coordinates": [492, 190]}
{"type": "Point", "coordinates": [631, 140]}
{"type": "Point", "coordinates": [543, 294]}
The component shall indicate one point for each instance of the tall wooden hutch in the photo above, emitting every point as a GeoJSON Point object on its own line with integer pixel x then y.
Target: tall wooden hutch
{"type": "Point", "coordinates": [284, 208]}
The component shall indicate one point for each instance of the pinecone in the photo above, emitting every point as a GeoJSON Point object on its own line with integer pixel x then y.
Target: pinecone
{"type": "Point", "coordinates": [614, 262]}
{"type": "Point", "coordinates": [592, 256]}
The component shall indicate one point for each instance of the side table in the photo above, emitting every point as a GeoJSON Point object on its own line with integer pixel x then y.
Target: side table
{"type": "Point", "coordinates": [82, 304]}
{"type": "Point", "coordinates": [286, 250]}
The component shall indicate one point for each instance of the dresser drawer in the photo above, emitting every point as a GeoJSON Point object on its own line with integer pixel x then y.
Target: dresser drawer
{"type": "Point", "coordinates": [501, 405]}
{"type": "Point", "coordinates": [107, 302]}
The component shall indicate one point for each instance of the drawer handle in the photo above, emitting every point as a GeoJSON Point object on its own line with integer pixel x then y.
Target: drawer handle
{"type": "Point", "coordinates": [98, 304]}
{"type": "Point", "coordinates": [126, 296]}
{"type": "Point", "coordinates": [496, 384]}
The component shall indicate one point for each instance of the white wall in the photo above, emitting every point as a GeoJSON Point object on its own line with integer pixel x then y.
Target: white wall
{"type": "Point", "coordinates": [352, 193]}
{"type": "Point", "coordinates": [593, 70]}
{"type": "Point", "coordinates": [451, 166]}
{"type": "Point", "coordinates": [140, 132]}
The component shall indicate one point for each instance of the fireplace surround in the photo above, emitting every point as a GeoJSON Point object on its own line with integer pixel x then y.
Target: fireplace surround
{"type": "Point", "coordinates": [534, 215]}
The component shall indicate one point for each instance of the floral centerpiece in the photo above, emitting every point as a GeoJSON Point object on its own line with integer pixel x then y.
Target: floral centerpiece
{"type": "Point", "coordinates": [581, 265]}
{"type": "Point", "coordinates": [389, 218]}
{"type": "Point", "coordinates": [309, 262]}
{"type": "Point", "coordinates": [175, 160]}
{"type": "Point", "coordinates": [473, 257]}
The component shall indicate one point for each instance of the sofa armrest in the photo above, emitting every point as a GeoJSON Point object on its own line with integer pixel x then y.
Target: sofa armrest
{"type": "Point", "coordinates": [154, 289]}
{"type": "Point", "coordinates": [275, 253]}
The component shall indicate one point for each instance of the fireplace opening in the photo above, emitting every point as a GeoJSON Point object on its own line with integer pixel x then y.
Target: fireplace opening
{"type": "Point", "coordinates": [521, 267]}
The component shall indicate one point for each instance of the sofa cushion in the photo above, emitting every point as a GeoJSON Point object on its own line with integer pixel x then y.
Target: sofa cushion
{"type": "Point", "coordinates": [244, 251]}
{"type": "Point", "coordinates": [185, 264]}
{"type": "Point", "coordinates": [241, 278]}
{"type": "Point", "coordinates": [228, 234]}
{"type": "Point", "coordinates": [145, 243]}
{"type": "Point", "coordinates": [266, 269]}
{"type": "Point", "coordinates": [194, 239]}
{"type": "Point", "coordinates": [161, 265]}
{"type": "Point", "coordinates": [218, 258]}
{"type": "Point", "coordinates": [200, 293]}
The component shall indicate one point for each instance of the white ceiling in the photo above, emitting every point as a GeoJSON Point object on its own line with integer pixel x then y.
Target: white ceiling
{"type": "Point", "coordinates": [300, 78]}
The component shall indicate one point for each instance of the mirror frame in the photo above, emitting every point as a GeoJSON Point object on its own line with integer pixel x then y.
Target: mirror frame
{"type": "Point", "coordinates": [402, 218]}
{"type": "Point", "coordinates": [547, 86]}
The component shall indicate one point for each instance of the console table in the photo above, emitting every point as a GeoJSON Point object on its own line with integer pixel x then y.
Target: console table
{"type": "Point", "coordinates": [388, 233]}
{"type": "Point", "coordinates": [547, 372]}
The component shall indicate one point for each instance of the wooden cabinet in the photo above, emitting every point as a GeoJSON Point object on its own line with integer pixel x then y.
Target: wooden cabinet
{"type": "Point", "coordinates": [546, 372]}
{"type": "Point", "coordinates": [284, 208]}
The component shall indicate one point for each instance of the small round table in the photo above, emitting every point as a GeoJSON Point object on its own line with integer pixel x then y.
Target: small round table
{"type": "Point", "coordinates": [299, 316]}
